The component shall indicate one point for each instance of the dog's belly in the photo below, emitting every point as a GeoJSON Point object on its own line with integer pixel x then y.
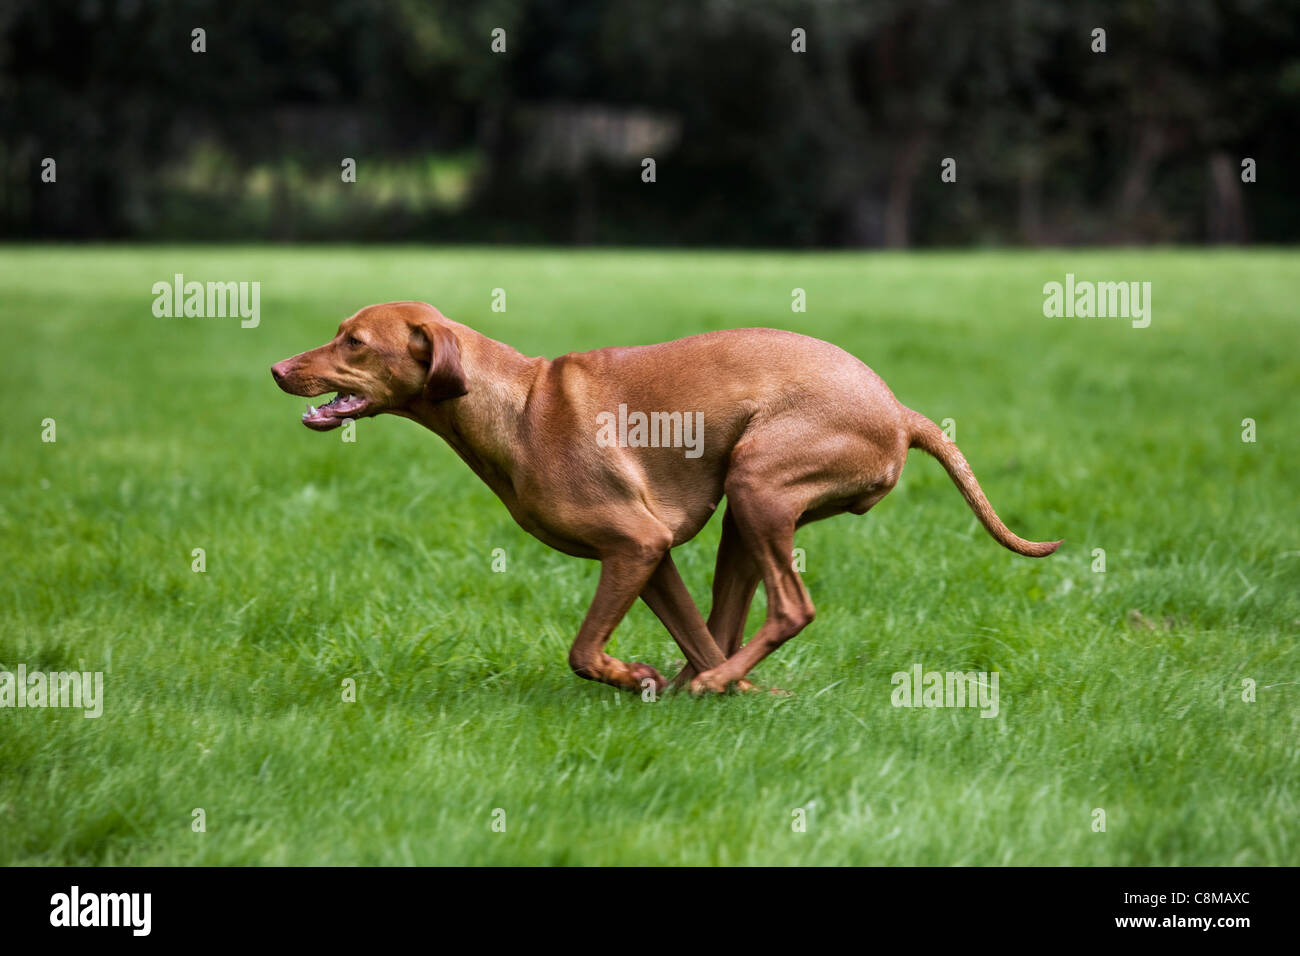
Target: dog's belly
{"type": "Point", "coordinates": [579, 511]}
{"type": "Point", "coordinates": [561, 542]}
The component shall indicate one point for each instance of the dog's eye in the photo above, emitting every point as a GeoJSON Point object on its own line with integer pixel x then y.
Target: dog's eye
{"type": "Point", "coordinates": [354, 342]}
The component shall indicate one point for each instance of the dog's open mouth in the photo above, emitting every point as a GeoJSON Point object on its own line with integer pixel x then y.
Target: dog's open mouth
{"type": "Point", "coordinates": [333, 413]}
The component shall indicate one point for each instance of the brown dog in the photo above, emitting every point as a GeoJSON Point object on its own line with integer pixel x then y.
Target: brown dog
{"type": "Point", "coordinates": [621, 454]}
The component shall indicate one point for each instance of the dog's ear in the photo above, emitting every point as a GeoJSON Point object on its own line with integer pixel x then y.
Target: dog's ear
{"type": "Point", "coordinates": [435, 344]}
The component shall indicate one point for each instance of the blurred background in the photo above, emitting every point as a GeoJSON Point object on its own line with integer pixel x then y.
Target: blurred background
{"type": "Point", "coordinates": [755, 144]}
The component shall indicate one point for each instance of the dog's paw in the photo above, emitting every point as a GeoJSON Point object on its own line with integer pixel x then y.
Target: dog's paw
{"type": "Point", "coordinates": [711, 683]}
{"type": "Point", "coordinates": [708, 683]}
{"type": "Point", "coordinates": [640, 673]}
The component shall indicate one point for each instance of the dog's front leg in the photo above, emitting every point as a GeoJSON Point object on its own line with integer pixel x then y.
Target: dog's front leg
{"type": "Point", "coordinates": [666, 595]}
{"type": "Point", "coordinates": [735, 579]}
{"type": "Point", "coordinates": [624, 571]}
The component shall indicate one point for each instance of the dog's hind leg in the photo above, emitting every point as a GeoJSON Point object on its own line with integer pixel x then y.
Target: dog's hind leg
{"type": "Point", "coordinates": [765, 519]}
{"type": "Point", "coordinates": [735, 579]}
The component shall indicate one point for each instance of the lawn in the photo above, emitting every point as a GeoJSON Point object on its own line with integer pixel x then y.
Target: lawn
{"type": "Point", "coordinates": [1120, 690]}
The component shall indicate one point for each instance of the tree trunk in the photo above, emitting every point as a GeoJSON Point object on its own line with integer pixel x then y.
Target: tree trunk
{"type": "Point", "coordinates": [1225, 219]}
{"type": "Point", "coordinates": [898, 203]}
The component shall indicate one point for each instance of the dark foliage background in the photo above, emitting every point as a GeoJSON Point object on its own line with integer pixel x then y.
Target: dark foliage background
{"type": "Point", "coordinates": [754, 144]}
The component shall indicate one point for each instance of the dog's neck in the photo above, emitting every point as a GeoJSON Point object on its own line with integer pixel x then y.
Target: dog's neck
{"type": "Point", "coordinates": [482, 425]}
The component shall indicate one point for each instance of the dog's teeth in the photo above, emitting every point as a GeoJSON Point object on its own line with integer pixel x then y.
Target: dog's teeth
{"type": "Point", "coordinates": [311, 410]}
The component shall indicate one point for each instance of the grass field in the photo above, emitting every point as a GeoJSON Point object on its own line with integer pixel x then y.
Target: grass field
{"type": "Point", "coordinates": [1120, 691]}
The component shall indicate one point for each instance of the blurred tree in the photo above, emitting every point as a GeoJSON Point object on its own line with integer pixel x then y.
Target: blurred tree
{"type": "Point", "coordinates": [754, 142]}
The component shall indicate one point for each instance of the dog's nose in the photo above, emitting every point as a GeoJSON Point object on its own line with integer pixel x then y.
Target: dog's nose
{"type": "Point", "coordinates": [277, 372]}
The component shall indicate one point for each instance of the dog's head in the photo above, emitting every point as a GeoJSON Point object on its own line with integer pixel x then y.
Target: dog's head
{"type": "Point", "coordinates": [386, 358]}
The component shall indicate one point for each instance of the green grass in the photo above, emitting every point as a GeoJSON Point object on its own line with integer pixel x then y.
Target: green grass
{"type": "Point", "coordinates": [372, 560]}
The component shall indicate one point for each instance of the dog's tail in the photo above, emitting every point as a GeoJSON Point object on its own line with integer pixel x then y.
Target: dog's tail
{"type": "Point", "coordinates": [928, 437]}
